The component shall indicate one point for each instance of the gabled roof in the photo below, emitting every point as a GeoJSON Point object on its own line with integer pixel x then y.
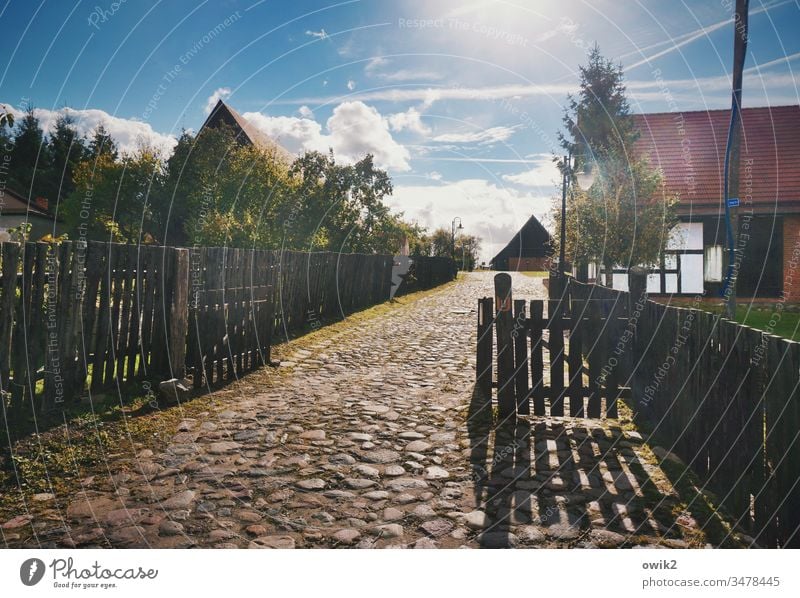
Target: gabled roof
{"type": "Point", "coordinates": [12, 202]}
{"type": "Point", "coordinates": [532, 240]}
{"type": "Point", "coordinates": [689, 149]}
{"type": "Point", "coordinates": [245, 131]}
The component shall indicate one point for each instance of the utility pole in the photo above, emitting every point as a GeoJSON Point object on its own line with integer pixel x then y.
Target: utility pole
{"type": "Point", "coordinates": [740, 28]}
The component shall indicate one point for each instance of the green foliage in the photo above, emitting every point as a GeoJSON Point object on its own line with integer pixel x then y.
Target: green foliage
{"type": "Point", "coordinates": [112, 199]}
{"type": "Point", "coordinates": [213, 190]}
{"type": "Point", "coordinates": [441, 242]}
{"type": "Point", "coordinates": [30, 156]}
{"type": "Point", "coordinates": [467, 249]}
{"type": "Point", "coordinates": [66, 151]}
{"type": "Point", "coordinates": [625, 218]}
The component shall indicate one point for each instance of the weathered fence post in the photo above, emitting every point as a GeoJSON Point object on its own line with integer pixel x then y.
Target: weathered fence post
{"type": "Point", "coordinates": [521, 357]}
{"type": "Point", "coordinates": [637, 299]}
{"type": "Point", "coordinates": [483, 358]}
{"type": "Point", "coordinates": [179, 313]}
{"type": "Point", "coordinates": [504, 322]}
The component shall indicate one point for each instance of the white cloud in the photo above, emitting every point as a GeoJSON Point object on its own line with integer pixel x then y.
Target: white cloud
{"type": "Point", "coordinates": [356, 129]}
{"type": "Point", "coordinates": [321, 34]}
{"type": "Point", "coordinates": [712, 91]}
{"type": "Point", "coordinates": [351, 85]}
{"type": "Point", "coordinates": [490, 135]}
{"type": "Point", "coordinates": [129, 134]}
{"type": "Point", "coordinates": [353, 130]}
{"type": "Point", "coordinates": [221, 93]}
{"type": "Point", "coordinates": [435, 176]}
{"type": "Point", "coordinates": [492, 212]}
{"type": "Point", "coordinates": [408, 120]}
{"type": "Point", "coordinates": [379, 67]}
{"type": "Point", "coordinates": [305, 112]}
{"type": "Point", "coordinates": [295, 134]}
{"type": "Point", "coordinates": [544, 173]}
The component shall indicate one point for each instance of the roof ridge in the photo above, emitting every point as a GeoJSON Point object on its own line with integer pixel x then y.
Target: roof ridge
{"type": "Point", "coordinates": [746, 109]}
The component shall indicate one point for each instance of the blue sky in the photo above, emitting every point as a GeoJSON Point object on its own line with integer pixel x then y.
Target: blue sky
{"type": "Point", "coordinates": [460, 100]}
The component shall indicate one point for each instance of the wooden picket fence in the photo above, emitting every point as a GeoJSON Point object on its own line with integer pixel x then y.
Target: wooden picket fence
{"type": "Point", "coordinates": [552, 356]}
{"type": "Point", "coordinates": [723, 397]}
{"type": "Point", "coordinates": [83, 315]}
{"type": "Point", "coordinates": [79, 317]}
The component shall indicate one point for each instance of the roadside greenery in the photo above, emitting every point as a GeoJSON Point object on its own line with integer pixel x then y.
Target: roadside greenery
{"type": "Point", "coordinates": [212, 190]}
{"type": "Point", "coordinates": [625, 217]}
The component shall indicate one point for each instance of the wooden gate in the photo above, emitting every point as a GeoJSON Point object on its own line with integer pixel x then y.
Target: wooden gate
{"type": "Point", "coordinates": [562, 356]}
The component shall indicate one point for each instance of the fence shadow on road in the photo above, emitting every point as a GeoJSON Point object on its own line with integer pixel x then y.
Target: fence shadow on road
{"type": "Point", "coordinates": [556, 480]}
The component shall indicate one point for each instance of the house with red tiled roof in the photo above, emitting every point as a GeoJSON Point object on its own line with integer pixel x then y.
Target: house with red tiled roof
{"type": "Point", "coordinates": [689, 149]}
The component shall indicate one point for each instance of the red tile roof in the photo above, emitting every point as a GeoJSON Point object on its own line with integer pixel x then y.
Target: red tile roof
{"type": "Point", "coordinates": [689, 148]}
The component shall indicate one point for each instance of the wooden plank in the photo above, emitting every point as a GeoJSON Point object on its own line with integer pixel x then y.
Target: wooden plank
{"type": "Point", "coordinates": [136, 278]}
{"type": "Point", "coordinates": [595, 357]}
{"type": "Point", "coordinates": [575, 359]}
{"type": "Point", "coordinates": [38, 315]}
{"type": "Point", "coordinates": [520, 335]}
{"type": "Point", "coordinates": [10, 259]}
{"type": "Point", "coordinates": [20, 338]}
{"type": "Point", "coordinates": [485, 345]}
{"type": "Point", "coordinates": [613, 364]}
{"type": "Point", "coordinates": [149, 262]}
{"type": "Point", "coordinates": [179, 312]}
{"type": "Point", "coordinates": [123, 334]}
{"type": "Point", "coordinates": [556, 350]}
{"type": "Point", "coordinates": [505, 349]}
{"type": "Point", "coordinates": [537, 360]}
{"type": "Point", "coordinates": [103, 340]}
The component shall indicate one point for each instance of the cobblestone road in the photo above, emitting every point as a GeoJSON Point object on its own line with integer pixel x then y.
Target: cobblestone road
{"type": "Point", "coordinates": [371, 441]}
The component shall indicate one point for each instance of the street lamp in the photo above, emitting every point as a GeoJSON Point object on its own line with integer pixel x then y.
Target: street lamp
{"type": "Point", "coordinates": [585, 178]}
{"type": "Point", "coordinates": [453, 236]}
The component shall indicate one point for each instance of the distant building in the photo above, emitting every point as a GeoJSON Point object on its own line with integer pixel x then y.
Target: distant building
{"type": "Point", "coordinates": [689, 149]}
{"type": "Point", "coordinates": [245, 132]}
{"type": "Point", "coordinates": [528, 251]}
{"type": "Point", "coordinates": [15, 210]}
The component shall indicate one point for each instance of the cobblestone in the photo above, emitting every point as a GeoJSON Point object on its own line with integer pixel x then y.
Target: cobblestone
{"type": "Point", "coordinates": [370, 439]}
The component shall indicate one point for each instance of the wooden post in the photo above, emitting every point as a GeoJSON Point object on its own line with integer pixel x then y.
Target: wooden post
{"type": "Point", "coordinates": [521, 358]}
{"type": "Point", "coordinates": [537, 362]}
{"type": "Point", "coordinates": [595, 343]}
{"type": "Point", "coordinates": [575, 359]}
{"type": "Point", "coordinates": [483, 362]}
{"type": "Point", "coordinates": [612, 364]}
{"type": "Point", "coordinates": [179, 313]}
{"type": "Point", "coordinates": [555, 314]}
{"type": "Point", "coordinates": [504, 323]}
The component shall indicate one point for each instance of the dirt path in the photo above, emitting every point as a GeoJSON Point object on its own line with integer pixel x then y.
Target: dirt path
{"type": "Point", "coordinates": [371, 441]}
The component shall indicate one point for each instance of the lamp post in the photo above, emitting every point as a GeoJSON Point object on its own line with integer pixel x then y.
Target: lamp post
{"type": "Point", "coordinates": [453, 236]}
{"type": "Point", "coordinates": [584, 178]}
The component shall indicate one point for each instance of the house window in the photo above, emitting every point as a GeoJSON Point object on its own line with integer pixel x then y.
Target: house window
{"type": "Point", "coordinates": [713, 266]}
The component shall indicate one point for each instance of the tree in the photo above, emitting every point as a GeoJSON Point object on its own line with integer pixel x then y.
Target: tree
{"type": "Point", "coordinates": [441, 241]}
{"type": "Point", "coordinates": [113, 199]}
{"type": "Point", "coordinates": [29, 158]}
{"type": "Point", "coordinates": [340, 207]}
{"type": "Point", "coordinates": [101, 144]}
{"type": "Point", "coordinates": [625, 218]}
{"type": "Point", "coordinates": [467, 249]}
{"type": "Point", "coordinates": [66, 149]}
